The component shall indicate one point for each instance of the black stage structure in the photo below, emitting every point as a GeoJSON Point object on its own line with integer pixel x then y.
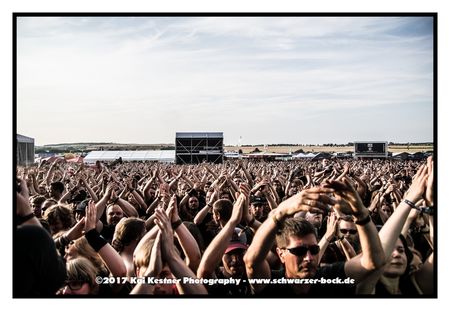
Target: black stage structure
{"type": "Point", "coordinates": [198, 147]}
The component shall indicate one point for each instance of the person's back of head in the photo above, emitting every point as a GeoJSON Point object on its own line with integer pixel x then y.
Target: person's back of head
{"type": "Point", "coordinates": [59, 218]}
{"type": "Point", "coordinates": [84, 249]}
{"type": "Point", "coordinates": [57, 186]}
{"type": "Point", "coordinates": [141, 257]}
{"type": "Point", "coordinates": [127, 230]}
{"type": "Point", "coordinates": [223, 208]}
{"type": "Point", "coordinates": [39, 271]}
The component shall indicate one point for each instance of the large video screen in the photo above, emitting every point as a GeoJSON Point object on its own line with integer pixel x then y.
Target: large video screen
{"type": "Point", "coordinates": [368, 147]}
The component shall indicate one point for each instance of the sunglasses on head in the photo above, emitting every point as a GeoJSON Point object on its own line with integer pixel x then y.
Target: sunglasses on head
{"type": "Point", "coordinates": [301, 251]}
{"type": "Point", "coordinates": [345, 231]}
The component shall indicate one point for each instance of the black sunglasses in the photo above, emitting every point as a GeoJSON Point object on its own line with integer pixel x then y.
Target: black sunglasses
{"type": "Point", "coordinates": [345, 231]}
{"type": "Point", "coordinates": [301, 251]}
{"type": "Point", "coordinates": [75, 284]}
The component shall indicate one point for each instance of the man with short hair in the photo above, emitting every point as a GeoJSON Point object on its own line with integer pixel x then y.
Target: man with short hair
{"type": "Point", "coordinates": [298, 250]}
{"type": "Point", "coordinates": [56, 190]}
{"type": "Point", "coordinates": [347, 229]}
{"type": "Point", "coordinates": [257, 207]}
{"type": "Point", "coordinates": [227, 248]}
{"type": "Point", "coordinates": [316, 219]}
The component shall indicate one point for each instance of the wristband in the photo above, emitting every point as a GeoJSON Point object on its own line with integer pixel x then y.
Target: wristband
{"type": "Point", "coordinates": [95, 240]}
{"type": "Point", "coordinates": [363, 221]}
{"type": "Point", "coordinates": [22, 219]}
{"type": "Point", "coordinates": [423, 209]}
{"type": "Point", "coordinates": [176, 224]}
{"type": "Point", "coordinates": [411, 204]}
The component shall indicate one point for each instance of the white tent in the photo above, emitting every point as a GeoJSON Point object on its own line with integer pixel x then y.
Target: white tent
{"type": "Point", "coordinates": [129, 155]}
{"type": "Point", "coordinates": [304, 156]}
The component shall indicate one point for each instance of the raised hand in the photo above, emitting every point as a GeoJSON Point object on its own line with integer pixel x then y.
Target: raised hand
{"type": "Point", "coordinates": [314, 200]}
{"type": "Point", "coordinates": [429, 198]}
{"type": "Point", "coordinates": [164, 225]}
{"type": "Point", "coordinates": [332, 222]}
{"type": "Point", "coordinates": [90, 220]}
{"type": "Point", "coordinates": [155, 265]}
{"type": "Point", "coordinates": [417, 188]}
{"type": "Point", "coordinates": [236, 214]}
{"type": "Point", "coordinates": [348, 200]}
{"type": "Point", "coordinates": [172, 209]}
{"type": "Point", "coordinates": [23, 207]}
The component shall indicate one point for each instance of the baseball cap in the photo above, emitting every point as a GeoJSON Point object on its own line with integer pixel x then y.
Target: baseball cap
{"type": "Point", "coordinates": [81, 207]}
{"type": "Point", "coordinates": [235, 245]}
{"type": "Point", "coordinates": [258, 200]}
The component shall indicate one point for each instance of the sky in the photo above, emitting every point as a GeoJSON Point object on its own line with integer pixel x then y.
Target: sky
{"type": "Point", "coordinates": [260, 80]}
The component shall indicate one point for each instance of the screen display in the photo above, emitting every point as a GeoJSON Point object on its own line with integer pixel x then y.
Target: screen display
{"type": "Point", "coordinates": [370, 147]}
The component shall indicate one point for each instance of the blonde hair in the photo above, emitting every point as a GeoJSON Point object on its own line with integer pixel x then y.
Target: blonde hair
{"type": "Point", "coordinates": [141, 257]}
{"type": "Point", "coordinates": [83, 248]}
{"type": "Point", "coordinates": [81, 269]}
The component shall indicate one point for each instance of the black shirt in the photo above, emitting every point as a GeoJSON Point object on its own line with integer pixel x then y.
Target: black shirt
{"type": "Point", "coordinates": [222, 290]}
{"type": "Point", "coordinates": [323, 286]}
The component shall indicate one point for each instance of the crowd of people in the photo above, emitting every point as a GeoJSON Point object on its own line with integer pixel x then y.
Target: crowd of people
{"type": "Point", "coordinates": [330, 228]}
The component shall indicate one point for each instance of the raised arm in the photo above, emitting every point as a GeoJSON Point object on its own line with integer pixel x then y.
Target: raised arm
{"type": "Point", "coordinates": [198, 219]}
{"type": "Point", "coordinates": [184, 236]}
{"type": "Point", "coordinates": [213, 254]}
{"type": "Point", "coordinates": [126, 207]}
{"type": "Point", "coordinates": [391, 230]}
{"type": "Point", "coordinates": [372, 256]}
{"type": "Point", "coordinates": [153, 270]}
{"type": "Point", "coordinates": [332, 221]}
{"type": "Point", "coordinates": [177, 266]}
{"type": "Point", "coordinates": [101, 205]}
{"type": "Point", "coordinates": [255, 258]}
{"type": "Point", "coordinates": [108, 254]}
{"type": "Point", "coordinates": [24, 212]}
{"type": "Point", "coordinates": [91, 192]}
{"type": "Point", "coordinates": [424, 277]}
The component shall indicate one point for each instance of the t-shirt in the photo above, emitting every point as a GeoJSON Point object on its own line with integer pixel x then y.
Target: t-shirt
{"type": "Point", "coordinates": [221, 290]}
{"type": "Point", "coordinates": [323, 286]}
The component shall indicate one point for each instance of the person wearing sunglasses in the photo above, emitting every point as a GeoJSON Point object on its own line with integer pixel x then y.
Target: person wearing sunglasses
{"type": "Point", "coordinates": [347, 230]}
{"type": "Point", "coordinates": [298, 250]}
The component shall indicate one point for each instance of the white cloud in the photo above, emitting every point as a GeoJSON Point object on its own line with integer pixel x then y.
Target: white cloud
{"type": "Point", "coordinates": [219, 73]}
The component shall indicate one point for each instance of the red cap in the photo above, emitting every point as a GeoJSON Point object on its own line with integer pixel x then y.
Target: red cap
{"type": "Point", "coordinates": [235, 245]}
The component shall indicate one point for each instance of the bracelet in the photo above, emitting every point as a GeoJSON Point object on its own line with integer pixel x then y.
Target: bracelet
{"type": "Point", "coordinates": [115, 200]}
{"type": "Point", "coordinates": [411, 204]}
{"type": "Point", "coordinates": [176, 224]}
{"type": "Point", "coordinates": [95, 240]}
{"type": "Point", "coordinates": [22, 219]}
{"type": "Point", "coordinates": [363, 221]}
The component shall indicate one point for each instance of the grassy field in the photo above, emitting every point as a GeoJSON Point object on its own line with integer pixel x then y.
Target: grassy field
{"type": "Point", "coordinates": [287, 149]}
